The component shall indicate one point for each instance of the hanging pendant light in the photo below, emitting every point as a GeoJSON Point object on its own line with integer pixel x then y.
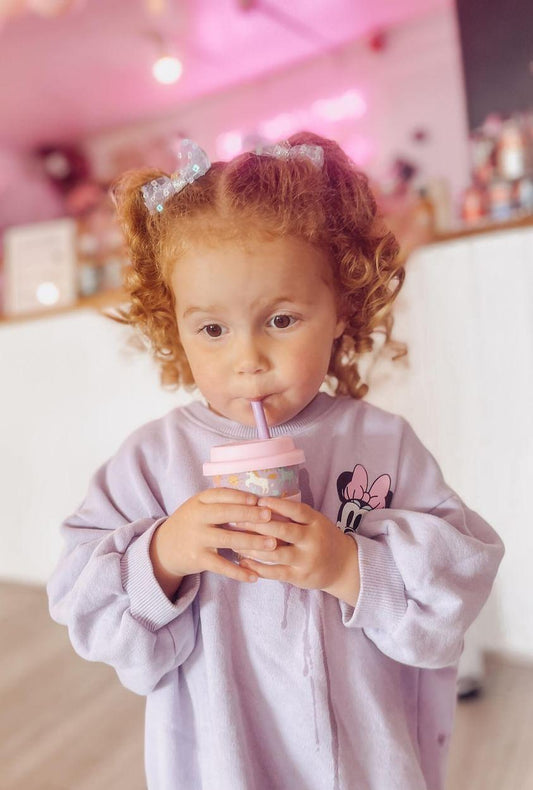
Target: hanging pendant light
{"type": "Point", "coordinates": [167, 68]}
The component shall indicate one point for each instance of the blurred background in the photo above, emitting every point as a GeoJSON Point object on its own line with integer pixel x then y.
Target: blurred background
{"type": "Point", "coordinates": [434, 100]}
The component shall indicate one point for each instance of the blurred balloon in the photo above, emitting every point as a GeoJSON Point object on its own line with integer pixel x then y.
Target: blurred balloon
{"type": "Point", "coordinates": [83, 198]}
{"type": "Point", "coordinates": [65, 165]}
{"type": "Point", "coordinates": [378, 41]}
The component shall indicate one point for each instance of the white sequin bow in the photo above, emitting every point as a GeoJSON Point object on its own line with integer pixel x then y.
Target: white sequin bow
{"type": "Point", "coordinates": [285, 150]}
{"type": "Point", "coordinates": [194, 163]}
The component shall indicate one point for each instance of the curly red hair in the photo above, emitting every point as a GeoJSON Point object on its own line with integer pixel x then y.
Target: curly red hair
{"type": "Point", "coordinates": [256, 195]}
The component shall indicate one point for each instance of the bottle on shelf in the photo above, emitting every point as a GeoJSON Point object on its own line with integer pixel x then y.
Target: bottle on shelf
{"type": "Point", "coordinates": [501, 200]}
{"type": "Point", "coordinates": [424, 212]}
{"type": "Point", "coordinates": [473, 207]}
{"type": "Point", "coordinates": [511, 153]}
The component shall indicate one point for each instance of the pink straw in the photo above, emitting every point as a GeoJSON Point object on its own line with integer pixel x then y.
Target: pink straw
{"type": "Point", "coordinates": [260, 420]}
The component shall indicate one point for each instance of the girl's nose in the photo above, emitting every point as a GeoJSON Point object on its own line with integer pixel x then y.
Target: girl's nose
{"type": "Point", "coordinates": [250, 357]}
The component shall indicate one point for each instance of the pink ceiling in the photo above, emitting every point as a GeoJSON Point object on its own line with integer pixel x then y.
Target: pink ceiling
{"type": "Point", "coordinates": [63, 78]}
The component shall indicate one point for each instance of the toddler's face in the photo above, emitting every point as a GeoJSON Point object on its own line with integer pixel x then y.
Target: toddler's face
{"type": "Point", "coordinates": [256, 320]}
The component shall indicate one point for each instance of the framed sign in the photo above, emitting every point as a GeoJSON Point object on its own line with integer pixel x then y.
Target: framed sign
{"type": "Point", "coordinates": [40, 266]}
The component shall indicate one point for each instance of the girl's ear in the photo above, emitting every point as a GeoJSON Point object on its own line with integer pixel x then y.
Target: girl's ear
{"type": "Point", "coordinates": [339, 328]}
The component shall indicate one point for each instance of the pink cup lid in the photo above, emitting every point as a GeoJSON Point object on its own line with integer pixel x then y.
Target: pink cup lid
{"type": "Point", "coordinates": [229, 459]}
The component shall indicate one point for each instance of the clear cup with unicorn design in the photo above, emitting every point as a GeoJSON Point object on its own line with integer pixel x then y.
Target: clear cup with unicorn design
{"type": "Point", "coordinates": [267, 467]}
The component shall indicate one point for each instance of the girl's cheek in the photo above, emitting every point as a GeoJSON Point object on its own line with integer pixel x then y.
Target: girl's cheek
{"type": "Point", "coordinates": [303, 375]}
{"type": "Point", "coordinates": [208, 377]}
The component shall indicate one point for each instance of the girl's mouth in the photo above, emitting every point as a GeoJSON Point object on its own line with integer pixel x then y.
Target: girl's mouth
{"type": "Point", "coordinates": [261, 398]}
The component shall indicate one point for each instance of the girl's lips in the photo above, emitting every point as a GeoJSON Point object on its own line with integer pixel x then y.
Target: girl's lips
{"type": "Point", "coordinates": [261, 398]}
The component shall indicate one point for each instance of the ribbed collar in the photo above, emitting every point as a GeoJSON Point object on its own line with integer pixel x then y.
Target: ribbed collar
{"type": "Point", "coordinates": [198, 412]}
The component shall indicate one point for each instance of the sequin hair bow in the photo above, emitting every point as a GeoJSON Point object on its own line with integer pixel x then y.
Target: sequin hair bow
{"type": "Point", "coordinates": [285, 150]}
{"type": "Point", "coordinates": [193, 163]}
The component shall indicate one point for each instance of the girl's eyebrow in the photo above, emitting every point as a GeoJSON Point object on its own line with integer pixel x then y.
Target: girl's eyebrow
{"type": "Point", "coordinates": [210, 308]}
{"type": "Point", "coordinates": [214, 308]}
{"type": "Point", "coordinates": [274, 303]}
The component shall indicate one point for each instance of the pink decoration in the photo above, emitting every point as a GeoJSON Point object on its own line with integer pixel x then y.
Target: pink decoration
{"type": "Point", "coordinates": [378, 41]}
{"type": "Point", "coordinates": [358, 485]}
{"type": "Point", "coordinates": [83, 197]}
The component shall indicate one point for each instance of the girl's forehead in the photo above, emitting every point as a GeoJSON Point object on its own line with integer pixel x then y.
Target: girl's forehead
{"type": "Point", "coordinates": [270, 265]}
{"type": "Point", "coordinates": [271, 250]}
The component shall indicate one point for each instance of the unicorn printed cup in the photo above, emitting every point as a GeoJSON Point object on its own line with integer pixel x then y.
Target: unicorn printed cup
{"type": "Point", "coordinates": [266, 467]}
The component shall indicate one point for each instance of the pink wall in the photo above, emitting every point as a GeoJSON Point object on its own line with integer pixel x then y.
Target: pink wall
{"type": "Point", "coordinates": [67, 76]}
{"type": "Point", "coordinates": [415, 82]}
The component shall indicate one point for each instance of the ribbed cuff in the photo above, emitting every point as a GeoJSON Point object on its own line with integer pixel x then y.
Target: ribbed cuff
{"type": "Point", "coordinates": [148, 603]}
{"type": "Point", "coordinates": [382, 601]}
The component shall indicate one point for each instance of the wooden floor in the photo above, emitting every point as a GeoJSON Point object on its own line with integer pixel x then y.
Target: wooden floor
{"type": "Point", "coordinates": [67, 724]}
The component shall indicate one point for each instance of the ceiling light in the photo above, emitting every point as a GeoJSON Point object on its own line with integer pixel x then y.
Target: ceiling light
{"type": "Point", "coordinates": [167, 69]}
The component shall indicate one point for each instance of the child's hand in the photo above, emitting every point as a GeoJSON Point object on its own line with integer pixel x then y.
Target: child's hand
{"type": "Point", "coordinates": [319, 555]}
{"type": "Point", "coordinates": [188, 540]}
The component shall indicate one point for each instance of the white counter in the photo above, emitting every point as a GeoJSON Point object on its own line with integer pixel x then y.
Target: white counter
{"type": "Point", "coordinates": [466, 311]}
{"type": "Point", "coordinates": [71, 394]}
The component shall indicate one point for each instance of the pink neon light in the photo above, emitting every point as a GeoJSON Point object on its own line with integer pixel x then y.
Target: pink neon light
{"type": "Point", "coordinates": [321, 113]}
{"type": "Point", "coordinates": [229, 144]}
{"type": "Point", "coordinates": [349, 105]}
{"type": "Point", "coordinates": [281, 126]}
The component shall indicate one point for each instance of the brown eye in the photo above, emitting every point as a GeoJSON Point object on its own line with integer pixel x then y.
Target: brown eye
{"type": "Point", "coordinates": [282, 321]}
{"type": "Point", "coordinates": [213, 330]}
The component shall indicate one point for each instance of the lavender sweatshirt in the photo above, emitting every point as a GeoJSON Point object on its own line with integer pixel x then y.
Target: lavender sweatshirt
{"type": "Point", "coordinates": [265, 686]}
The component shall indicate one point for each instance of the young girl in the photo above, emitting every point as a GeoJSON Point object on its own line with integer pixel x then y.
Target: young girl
{"type": "Point", "coordinates": [333, 665]}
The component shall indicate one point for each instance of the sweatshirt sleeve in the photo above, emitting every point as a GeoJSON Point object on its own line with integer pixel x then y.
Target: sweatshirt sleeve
{"type": "Point", "coordinates": [104, 588]}
{"type": "Point", "coordinates": [426, 566]}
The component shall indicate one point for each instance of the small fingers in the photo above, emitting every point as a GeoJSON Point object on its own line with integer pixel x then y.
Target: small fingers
{"type": "Point", "coordinates": [295, 511]}
{"type": "Point", "coordinates": [223, 513]}
{"type": "Point", "coordinates": [283, 555]}
{"type": "Point", "coordinates": [281, 573]}
{"type": "Point", "coordinates": [227, 496]}
{"type": "Point", "coordinates": [241, 541]}
{"type": "Point", "coordinates": [284, 531]}
{"type": "Point", "coordinates": [226, 568]}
